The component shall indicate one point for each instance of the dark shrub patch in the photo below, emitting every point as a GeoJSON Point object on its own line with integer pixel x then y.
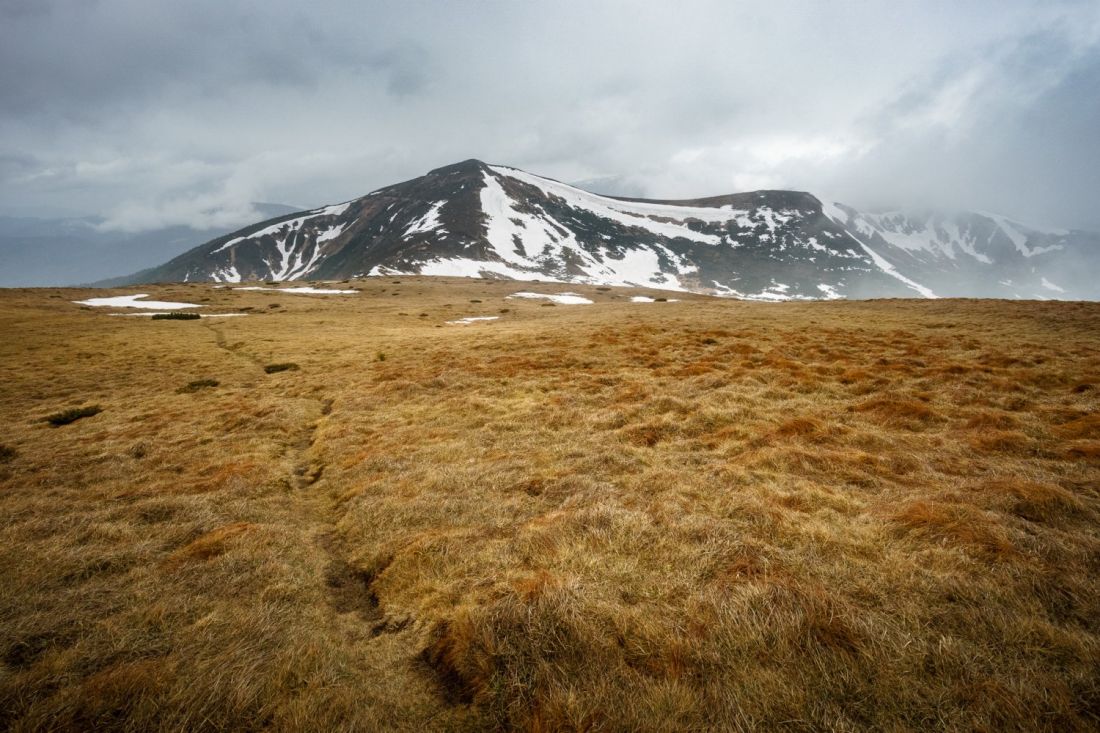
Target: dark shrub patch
{"type": "Point", "coordinates": [7, 453]}
{"type": "Point", "coordinates": [175, 316]}
{"type": "Point", "coordinates": [196, 385]}
{"type": "Point", "coordinates": [67, 416]}
{"type": "Point", "coordinates": [285, 367]}
{"type": "Point", "coordinates": [274, 305]}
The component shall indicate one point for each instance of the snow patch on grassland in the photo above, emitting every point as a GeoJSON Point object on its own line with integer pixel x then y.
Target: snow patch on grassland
{"type": "Point", "coordinates": [472, 319]}
{"type": "Point", "coordinates": [132, 301]}
{"type": "Point", "coordinates": [165, 313]}
{"type": "Point", "coordinates": [647, 299]}
{"type": "Point", "coordinates": [563, 298]}
{"type": "Point", "coordinates": [302, 290]}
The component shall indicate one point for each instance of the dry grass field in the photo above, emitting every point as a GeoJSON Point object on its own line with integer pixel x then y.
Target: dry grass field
{"type": "Point", "coordinates": [694, 515]}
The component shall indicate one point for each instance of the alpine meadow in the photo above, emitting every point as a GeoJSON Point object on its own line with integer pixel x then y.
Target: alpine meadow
{"type": "Point", "coordinates": [596, 366]}
{"type": "Point", "coordinates": [605, 515]}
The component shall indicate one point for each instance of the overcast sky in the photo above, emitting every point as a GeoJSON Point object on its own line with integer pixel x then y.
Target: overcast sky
{"type": "Point", "coordinates": [153, 113]}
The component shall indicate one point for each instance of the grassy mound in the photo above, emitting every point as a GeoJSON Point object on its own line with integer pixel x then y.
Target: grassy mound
{"type": "Point", "coordinates": [73, 414]}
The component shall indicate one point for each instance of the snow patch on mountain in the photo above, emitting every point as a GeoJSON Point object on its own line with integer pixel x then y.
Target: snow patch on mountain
{"type": "Point", "coordinates": [628, 214]}
{"type": "Point", "coordinates": [1016, 232]}
{"type": "Point", "coordinates": [226, 274]}
{"type": "Point", "coordinates": [466, 267]}
{"type": "Point", "coordinates": [641, 267]}
{"type": "Point", "coordinates": [831, 210]}
{"type": "Point", "coordinates": [332, 232]}
{"type": "Point", "coordinates": [890, 270]}
{"type": "Point", "coordinates": [428, 222]}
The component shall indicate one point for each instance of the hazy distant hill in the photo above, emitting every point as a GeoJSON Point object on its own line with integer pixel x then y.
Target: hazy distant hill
{"type": "Point", "coordinates": [72, 251]}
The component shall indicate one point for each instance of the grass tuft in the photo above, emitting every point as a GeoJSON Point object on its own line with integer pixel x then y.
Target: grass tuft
{"type": "Point", "coordinates": [1035, 501]}
{"type": "Point", "coordinates": [197, 385]}
{"type": "Point", "coordinates": [65, 417]}
{"type": "Point", "coordinates": [956, 524]}
{"type": "Point", "coordinates": [287, 366]}
{"type": "Point", "coordinates": [176, 316]}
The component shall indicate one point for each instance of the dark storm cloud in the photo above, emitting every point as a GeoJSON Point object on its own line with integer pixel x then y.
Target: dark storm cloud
{"type": "Point", "coordinates": [156, 113]}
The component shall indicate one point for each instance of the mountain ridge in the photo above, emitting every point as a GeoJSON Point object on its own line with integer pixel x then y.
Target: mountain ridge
{"type": "Point", "coordinates": [484, 220]}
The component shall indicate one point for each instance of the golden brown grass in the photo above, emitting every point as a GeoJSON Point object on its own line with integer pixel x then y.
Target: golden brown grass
{"type": "Point", "coordinates": [669, 516]}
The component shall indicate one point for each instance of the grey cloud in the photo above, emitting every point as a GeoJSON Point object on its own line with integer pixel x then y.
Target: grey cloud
{"type": "Point", "coordinates": [155, 112]}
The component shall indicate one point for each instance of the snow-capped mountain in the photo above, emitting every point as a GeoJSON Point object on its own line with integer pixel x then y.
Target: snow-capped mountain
{"type": "Point", "coordinates": [474, 219]}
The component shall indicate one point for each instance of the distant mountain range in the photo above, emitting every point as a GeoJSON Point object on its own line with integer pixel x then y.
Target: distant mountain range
{"type": "Point", "coordinates": [478, 220]}
{"type": "Point", "coordinates": [35, 252]}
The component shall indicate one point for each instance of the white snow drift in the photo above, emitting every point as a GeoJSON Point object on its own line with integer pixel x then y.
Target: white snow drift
{"type": "Point", "coordinates": [472, 319]}
{"type": "Point", "coordinates": [304, 290]}
{"type": "Point", "coordinates": [132, 301]}
{"type": "Point", "coordinates": [563, 298]}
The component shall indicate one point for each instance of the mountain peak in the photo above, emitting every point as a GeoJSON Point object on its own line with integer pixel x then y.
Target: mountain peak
{"type": "Point", "coordinates": [471, 165]}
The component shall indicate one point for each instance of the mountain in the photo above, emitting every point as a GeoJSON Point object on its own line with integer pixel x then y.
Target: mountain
{"type": "Point", "coordinates": [473, 219]}
{"type": "Point", "coordinates": [35, 252]}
